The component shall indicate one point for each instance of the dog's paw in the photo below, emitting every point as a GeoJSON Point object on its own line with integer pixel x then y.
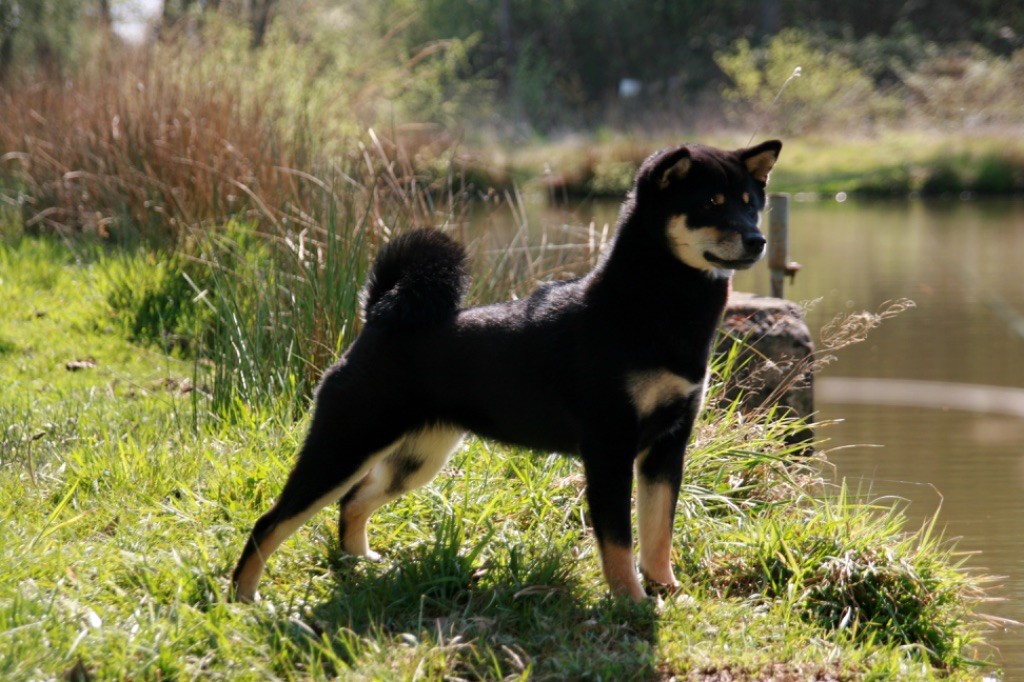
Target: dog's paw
{"type": "Point", "coordinates": [658, 588]}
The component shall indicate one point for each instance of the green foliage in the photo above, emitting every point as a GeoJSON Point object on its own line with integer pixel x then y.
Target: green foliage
{"type": "Point", "coordinates": [338, 69]}
{"type": "Point", "coordinates": [40, 35]}
{"type": "Point", "coordinates": [794, 87]}
{"type": "Point", "coordinates": [281, 313]}
{"type": "Point", "coordinates": [967, 87]}
{"type": "Point", "coordinates": [154, 299]}
{"type": "Point", "coordinates": [559, 63]}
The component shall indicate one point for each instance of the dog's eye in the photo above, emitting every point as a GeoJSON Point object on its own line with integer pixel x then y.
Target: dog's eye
{"type": "Point", "coordinates": [716, 200]}
{"type": "Point", "coordinates": [746, 198]}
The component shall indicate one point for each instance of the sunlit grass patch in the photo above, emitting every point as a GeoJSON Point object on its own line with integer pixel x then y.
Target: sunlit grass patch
{"type": "Point", "coordinates": [127, 502]}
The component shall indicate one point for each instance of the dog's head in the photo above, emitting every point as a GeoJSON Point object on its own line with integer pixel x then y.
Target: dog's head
{"type": "Point", "coordinates": [710, 202]}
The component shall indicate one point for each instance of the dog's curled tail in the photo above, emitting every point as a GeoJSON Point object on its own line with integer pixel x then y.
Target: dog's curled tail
{"type": "Point", "coordinates": [418, 279]}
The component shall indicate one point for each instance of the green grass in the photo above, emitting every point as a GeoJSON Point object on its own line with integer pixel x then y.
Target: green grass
{"type": "Point", "coordinates": [124, 502]}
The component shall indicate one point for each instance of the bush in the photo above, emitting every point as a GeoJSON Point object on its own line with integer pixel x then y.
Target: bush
{"type": "Point", "coordinates": [153, 300]}
{"type": "Point", "coordinates": [967, 87]}
{"type": "Point", "coordinates": [791, 86]}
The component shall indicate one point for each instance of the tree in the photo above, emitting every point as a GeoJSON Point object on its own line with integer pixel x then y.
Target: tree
{"type": "Point", "coordinates": [259, 20]}
{"type": "Point", "coordinates": [40, 33]}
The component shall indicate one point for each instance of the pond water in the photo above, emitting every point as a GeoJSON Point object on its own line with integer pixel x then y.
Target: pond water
{"type": "Point", "coordinates": [932, 404]}
{"type": "Point", "coordinates": [944, 446]}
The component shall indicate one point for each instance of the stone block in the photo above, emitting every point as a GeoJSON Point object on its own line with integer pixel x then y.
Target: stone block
{"type": "Point", "coordinates": [774, 356]}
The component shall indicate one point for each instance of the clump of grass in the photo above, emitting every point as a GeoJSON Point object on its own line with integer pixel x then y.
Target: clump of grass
{"type": "Point", "coordinates": [852, 571]}
{"type": "Point", "coordinates": [126, 148]}
{"type": "Point", "coordinates": [153, 299]}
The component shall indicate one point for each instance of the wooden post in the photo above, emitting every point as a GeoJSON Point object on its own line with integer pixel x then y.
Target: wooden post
{"type": "Point", "coordinates": [778, 241]}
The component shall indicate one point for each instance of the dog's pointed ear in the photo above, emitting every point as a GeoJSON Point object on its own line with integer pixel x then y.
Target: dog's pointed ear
{"type": "Point", "coordinates": [663, 168]}
{"type": "Point", "coordinates": [674, 168]}
{"type": "Point", "coordinates": [761, 158]}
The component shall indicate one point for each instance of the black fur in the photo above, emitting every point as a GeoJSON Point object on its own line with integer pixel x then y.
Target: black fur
{"type": "Point", "coordinates": [561, 370]}
{"type": "Point", "coordinates": [419, 278]}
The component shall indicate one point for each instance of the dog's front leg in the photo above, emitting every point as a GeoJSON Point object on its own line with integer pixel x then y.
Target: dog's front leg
{"type": "Point", "coordinates": [659, 476]}
{"type": "Point", "coordinates": [609, 484]}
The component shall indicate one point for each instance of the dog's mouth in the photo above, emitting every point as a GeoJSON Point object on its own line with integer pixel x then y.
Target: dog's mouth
{"type": "Point", "coordinates": [738, 264]}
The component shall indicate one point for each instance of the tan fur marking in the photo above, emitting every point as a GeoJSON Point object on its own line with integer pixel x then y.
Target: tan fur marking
{"type": "Point", "coordinates": [654, 513]}
{"type": "Point", "coordinates": [431, 447]}
{"type": "Point", "coordinates": [746, 197]}
{"type": "Point", "coordinates": [620, 571]}
{"type": "Point", "coordinates": [249, 576]}
{"type": "Point", "coordinates": [650, 390]}
{"type": "Point", "coordinates": [761, 164]}
{"type": "Point", "coordinates": [689, 246]}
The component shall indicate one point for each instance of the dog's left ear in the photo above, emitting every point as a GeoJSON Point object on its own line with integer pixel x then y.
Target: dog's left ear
{"type": "Point", "coordinates": [760, 159]}
{"type": "Point", "coordinates": [662, 168]}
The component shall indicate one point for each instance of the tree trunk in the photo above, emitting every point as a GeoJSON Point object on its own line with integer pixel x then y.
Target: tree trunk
{"type": "Point", "coordinates": [260, 20]}
{"type": "Point", "coordinates": [105, 19]}
{"type": "Point", "coordinates": [771, 17]}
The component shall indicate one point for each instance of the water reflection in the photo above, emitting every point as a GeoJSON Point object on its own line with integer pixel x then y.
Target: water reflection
{"type": "Point", "coordinates": [937, 395]}
{"type": "Point", "coordinates": [941, 387]}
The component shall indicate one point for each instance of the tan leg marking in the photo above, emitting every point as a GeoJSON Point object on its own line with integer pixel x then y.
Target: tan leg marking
{"type": "Point", "coordinates": [654, 513]}
{"type": "Point", "coordinates": [249, 576]}
{"type": "Point", "coordinates": [620, 571]}
{"type": "Point", "coordinates": [357, 512]}
{"type": "Point", "coordinates": [390, 478]}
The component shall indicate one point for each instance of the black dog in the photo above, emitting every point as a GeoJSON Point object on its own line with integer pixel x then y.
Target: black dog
{"type": "Point", "coordinates": [610, 367]}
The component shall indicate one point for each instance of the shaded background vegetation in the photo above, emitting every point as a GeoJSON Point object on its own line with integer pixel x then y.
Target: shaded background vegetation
{"type": "Point", "coordinates": [532, 66]}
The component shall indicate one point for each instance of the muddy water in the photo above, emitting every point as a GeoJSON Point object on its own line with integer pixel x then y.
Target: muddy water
{"type": "Point", "coordinates": [931, 404]}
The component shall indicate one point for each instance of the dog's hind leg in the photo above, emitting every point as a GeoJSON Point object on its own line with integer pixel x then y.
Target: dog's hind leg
{"type": "Point", "coordinates": [416, 460]}
{"type": "Point", "coordinates": [321, 476]}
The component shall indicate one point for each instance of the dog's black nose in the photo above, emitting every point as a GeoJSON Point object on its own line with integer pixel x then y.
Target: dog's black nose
{"type": "Point", "coordinates": [754, 243]}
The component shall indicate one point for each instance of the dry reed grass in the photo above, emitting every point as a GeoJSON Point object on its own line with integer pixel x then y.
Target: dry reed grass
{"type": "Point", "coordinates": [138, 141]}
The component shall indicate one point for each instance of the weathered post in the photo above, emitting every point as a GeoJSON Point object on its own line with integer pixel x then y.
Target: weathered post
{"type": "Point", "coordinates": [778, 241]}
{"type": "Point", "coordinates": [774, 367]}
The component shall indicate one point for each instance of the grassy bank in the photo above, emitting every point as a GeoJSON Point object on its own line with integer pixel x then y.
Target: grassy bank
{"type": "Point", "coordinates": [126, 496]}
{"type": "Point", "coordinates": [895, 163]}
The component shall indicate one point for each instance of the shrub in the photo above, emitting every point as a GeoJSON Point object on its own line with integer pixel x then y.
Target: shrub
{"type": "Point", "coordinates": [153, 300]}
{"type": "Point", "coordinates": [829, 92]}
{"type": "Point", "coordinates": [966, 87]}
